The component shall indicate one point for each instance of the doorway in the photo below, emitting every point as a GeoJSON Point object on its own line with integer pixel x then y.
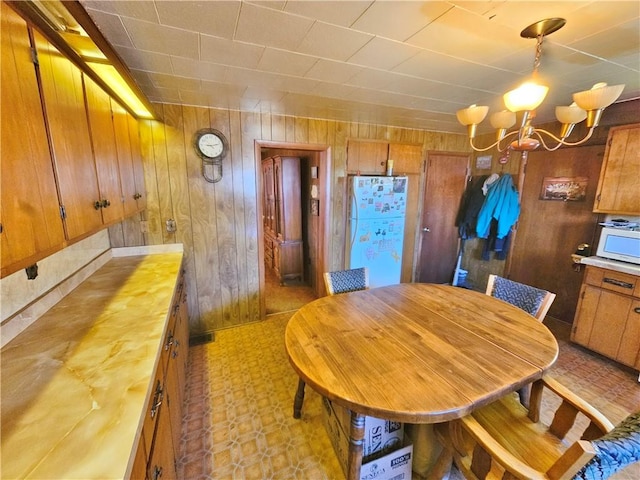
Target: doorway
{"type": "Point", "coordinates": [277, 296]}
{"type": "Point", "coordinates": [445, 181]}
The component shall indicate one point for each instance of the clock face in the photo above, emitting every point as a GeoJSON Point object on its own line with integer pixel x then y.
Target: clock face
{"type": "Point", "coordinates": [210, 145]}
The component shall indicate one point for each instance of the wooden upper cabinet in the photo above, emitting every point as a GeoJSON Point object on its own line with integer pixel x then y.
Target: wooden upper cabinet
{"type": "Point", "coordinates": [136, 158]}
{"type": "Point", "coordinates": [105, 151]}
{"type": "Point", "coordinates": [62, 91]}
{"type": "Point", "coordinates": [125, 158]}
{"type": "Point", "coordinates": [619, 184]}
{"type": "Point", "coordinates": [367, 158]}
{"type": "Point", "coordinates": [30, 216]}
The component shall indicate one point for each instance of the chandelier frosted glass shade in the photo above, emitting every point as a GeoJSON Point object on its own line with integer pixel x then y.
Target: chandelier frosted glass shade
{"type": "Point", "coordinates": [526, 97]}
{"type": "Point", "coordinates": [600, 96]}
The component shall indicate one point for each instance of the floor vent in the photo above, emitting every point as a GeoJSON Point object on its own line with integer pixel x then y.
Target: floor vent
{"type": "Point", "coordinates": [201, 339]}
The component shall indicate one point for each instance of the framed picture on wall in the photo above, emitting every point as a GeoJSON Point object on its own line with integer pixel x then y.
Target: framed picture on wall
{"type": "Point", "coordinates": [315, 207]}
{"type": "Point", "coordinates": [572, 189]}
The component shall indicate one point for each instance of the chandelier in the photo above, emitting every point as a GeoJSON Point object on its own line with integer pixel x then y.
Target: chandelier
{"type": "Point", "coordinates": [588, 105]}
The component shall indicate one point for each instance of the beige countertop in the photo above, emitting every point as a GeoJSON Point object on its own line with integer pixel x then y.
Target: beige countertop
{"type": "Point", "coordinates": [75, 383]}
{"type": "Point", "coordinates": [614, 265]}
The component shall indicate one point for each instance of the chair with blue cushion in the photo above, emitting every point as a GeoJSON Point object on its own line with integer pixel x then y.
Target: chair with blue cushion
{"type": "Point", "coordinates": [343, 281]}
{"type": "Point", "coordinates": [505, 440]}
{"type": "Point", "coordinates": [532, 300]}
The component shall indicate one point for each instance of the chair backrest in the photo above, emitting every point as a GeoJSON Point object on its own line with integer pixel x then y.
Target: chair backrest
{"type": "Point", "coordinates": [343, 281]}
{"type": "Point", "coordinates": [532, 300]}
{"type": "Point", "coordinates": [614, 451]}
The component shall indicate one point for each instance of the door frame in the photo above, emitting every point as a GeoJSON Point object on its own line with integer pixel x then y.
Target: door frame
{"type": "Point", "coordinates": [324, 181]}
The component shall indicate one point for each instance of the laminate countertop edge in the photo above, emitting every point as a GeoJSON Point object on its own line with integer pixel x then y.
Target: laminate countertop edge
{"type": "Point", "coordinates": [75, 383]}
{"type": "Point", "coordinates": [614, 265]}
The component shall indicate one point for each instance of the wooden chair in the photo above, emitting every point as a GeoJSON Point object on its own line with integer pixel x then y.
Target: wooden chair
{"type": "Point", "coordinates": [504, 440]}
{"type": "Point", "coordinates": [530, 299]}
{"type": "Point", "coordinates": [343, 281]}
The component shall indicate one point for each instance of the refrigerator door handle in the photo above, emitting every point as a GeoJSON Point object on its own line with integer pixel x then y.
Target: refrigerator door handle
{"type": "Point", "coordinates": [354, 214]}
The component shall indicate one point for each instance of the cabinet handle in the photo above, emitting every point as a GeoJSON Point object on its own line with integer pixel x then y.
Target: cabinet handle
{"type": "Point", "coordinates": [157, 400]}
{"type": "Point", "coordinates": [167, 345]}
{"type": "Point", "coordinates": [618, 283]}
{"type": "Point", "coordinates": [157, 472]}
{"type": "Point", "coordinates": [97, 205]}
{"type": "Point", "coordinates": [137, 196]}
{"type": "Point", "coordinates": [637, 309]}
{"type": "Point", "coordinates": [105, 203]}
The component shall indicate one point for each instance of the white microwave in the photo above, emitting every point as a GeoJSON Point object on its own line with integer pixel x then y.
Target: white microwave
{"type": "Point", "coordinates": [619, 244]}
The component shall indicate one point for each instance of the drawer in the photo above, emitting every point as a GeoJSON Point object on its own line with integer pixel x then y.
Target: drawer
{"type": "Point", "coordinates": [612, 280]}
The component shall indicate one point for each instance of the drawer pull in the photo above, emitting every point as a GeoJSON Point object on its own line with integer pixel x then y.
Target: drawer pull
{"type": "Point", "coordinates": [618, 283]}
{"type": "Point", "coordinates": [637, 309]}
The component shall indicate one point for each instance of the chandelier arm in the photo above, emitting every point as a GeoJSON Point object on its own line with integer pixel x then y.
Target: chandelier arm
{"type": "Point", "coordinates": [477, 149]}
{"type": "Point", "coordinates": [544, 144]}
{"type": "Point", "coordinates": [563, 142]}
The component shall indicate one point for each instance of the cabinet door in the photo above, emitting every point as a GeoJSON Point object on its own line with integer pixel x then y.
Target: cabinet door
{"type": "Point", "coordinates": [367, 158]}
{"type": "Point", "coordinates": [125, 159]}
{"type": "Point", "coordinates": [601, 320]}
{"type": "Point", "coordinates": [162, 459]}
{"type": "Point", "coordinates": [629, 351]}
{"type": "Point", "coordinates": [29, 212]}
{"type": "Point", "coordinates": [105, 152]}
{"type": "Point", "coordinates": [619, 183]}
{"type": "Point", "coordinates": [138, 168]}
{"type": "Point", "coordinates": [70, 142]}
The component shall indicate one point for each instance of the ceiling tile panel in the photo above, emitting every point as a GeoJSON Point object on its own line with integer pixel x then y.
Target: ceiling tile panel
{"type": "Point", "coordinates": [383, 54]}
{"type": "Point", "coordinates": [141, 9]}
{"type": "Point", "coordinates": [332, 42]}
{"type": "Point", "coordinates": [229, 52]}
{"type": "Point", "coordinates": [329, 11]}
{"type": "Point", "coordinates": [333, 72]}
{"type": "Point", "coordinates": [265, 26]}
{"type": "Point", "coordinates": [190, 68]}
{"type": "Point", "coordinates": [288, 63]}
{"type": "Point", "coordinates": [161, 39]}
{"type": "Point", "coordinates": [113, 27]}
{"type": "Point", "coordinates": [175, 82]}
{"type": "Point", "coordinates": [212, 18]}
{"type": "Point", "coordinates": [399, 20]}
{"type": "Point", "coordinates": [143, 60]}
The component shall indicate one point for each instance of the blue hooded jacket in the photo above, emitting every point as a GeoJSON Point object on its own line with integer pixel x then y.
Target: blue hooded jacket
{"type": "Point", "coordinates": [501, 204]}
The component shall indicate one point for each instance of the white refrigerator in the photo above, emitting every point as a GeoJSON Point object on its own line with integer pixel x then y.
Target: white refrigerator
{"type": "Point", "coordinates": [376, 214]}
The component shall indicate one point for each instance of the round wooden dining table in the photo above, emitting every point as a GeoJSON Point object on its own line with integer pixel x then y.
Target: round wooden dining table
{"type": "Point", "coordinates": [414, 353]}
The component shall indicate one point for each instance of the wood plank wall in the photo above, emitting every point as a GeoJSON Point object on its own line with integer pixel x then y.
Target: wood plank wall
{"type": "Point", "coordinates": [217, 223]}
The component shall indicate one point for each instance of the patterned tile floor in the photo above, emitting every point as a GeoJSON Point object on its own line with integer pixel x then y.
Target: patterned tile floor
{"type": "Point", "coordinates": [238, 410]}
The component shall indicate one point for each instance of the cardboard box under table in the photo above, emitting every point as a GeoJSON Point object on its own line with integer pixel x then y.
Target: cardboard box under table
{"type": "Point", "coordinates": [386, 455]}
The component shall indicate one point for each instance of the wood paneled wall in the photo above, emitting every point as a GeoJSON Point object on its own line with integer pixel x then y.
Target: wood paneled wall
{"type": "Point", "coordinates": [218, 223]}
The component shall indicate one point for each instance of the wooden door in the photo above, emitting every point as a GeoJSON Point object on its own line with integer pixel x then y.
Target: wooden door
{"type": "Point", "coordinates": [30, 216]}
{"type": "Point", "coordinates": [445, 181]}
{"type": "Point", "coordinates": [550, 230]}
{"type": "Point", "coordinates": [70, 141]}
{"type": "Point", "coordinates": [105, 152]}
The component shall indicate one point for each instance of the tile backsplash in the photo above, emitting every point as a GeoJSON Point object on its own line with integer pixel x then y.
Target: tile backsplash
{"type": "Point", "coordinates": [56, 277]}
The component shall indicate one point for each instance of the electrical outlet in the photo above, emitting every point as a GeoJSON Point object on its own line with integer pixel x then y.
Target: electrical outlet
{"type": "Point", "coordinates": [144, 226]}
{"type": "Point", "coordinates": [171, 225]}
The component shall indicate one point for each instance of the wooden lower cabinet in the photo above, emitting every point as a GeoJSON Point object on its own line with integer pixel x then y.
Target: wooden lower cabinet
{"type": "Point", "coordinates": [159, 445]}
{"type": "Point", "coordinates": [607, 319]}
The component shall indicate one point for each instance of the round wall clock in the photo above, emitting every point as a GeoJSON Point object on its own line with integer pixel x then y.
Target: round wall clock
{"type": "Point", "coordinates": [210, 144]}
